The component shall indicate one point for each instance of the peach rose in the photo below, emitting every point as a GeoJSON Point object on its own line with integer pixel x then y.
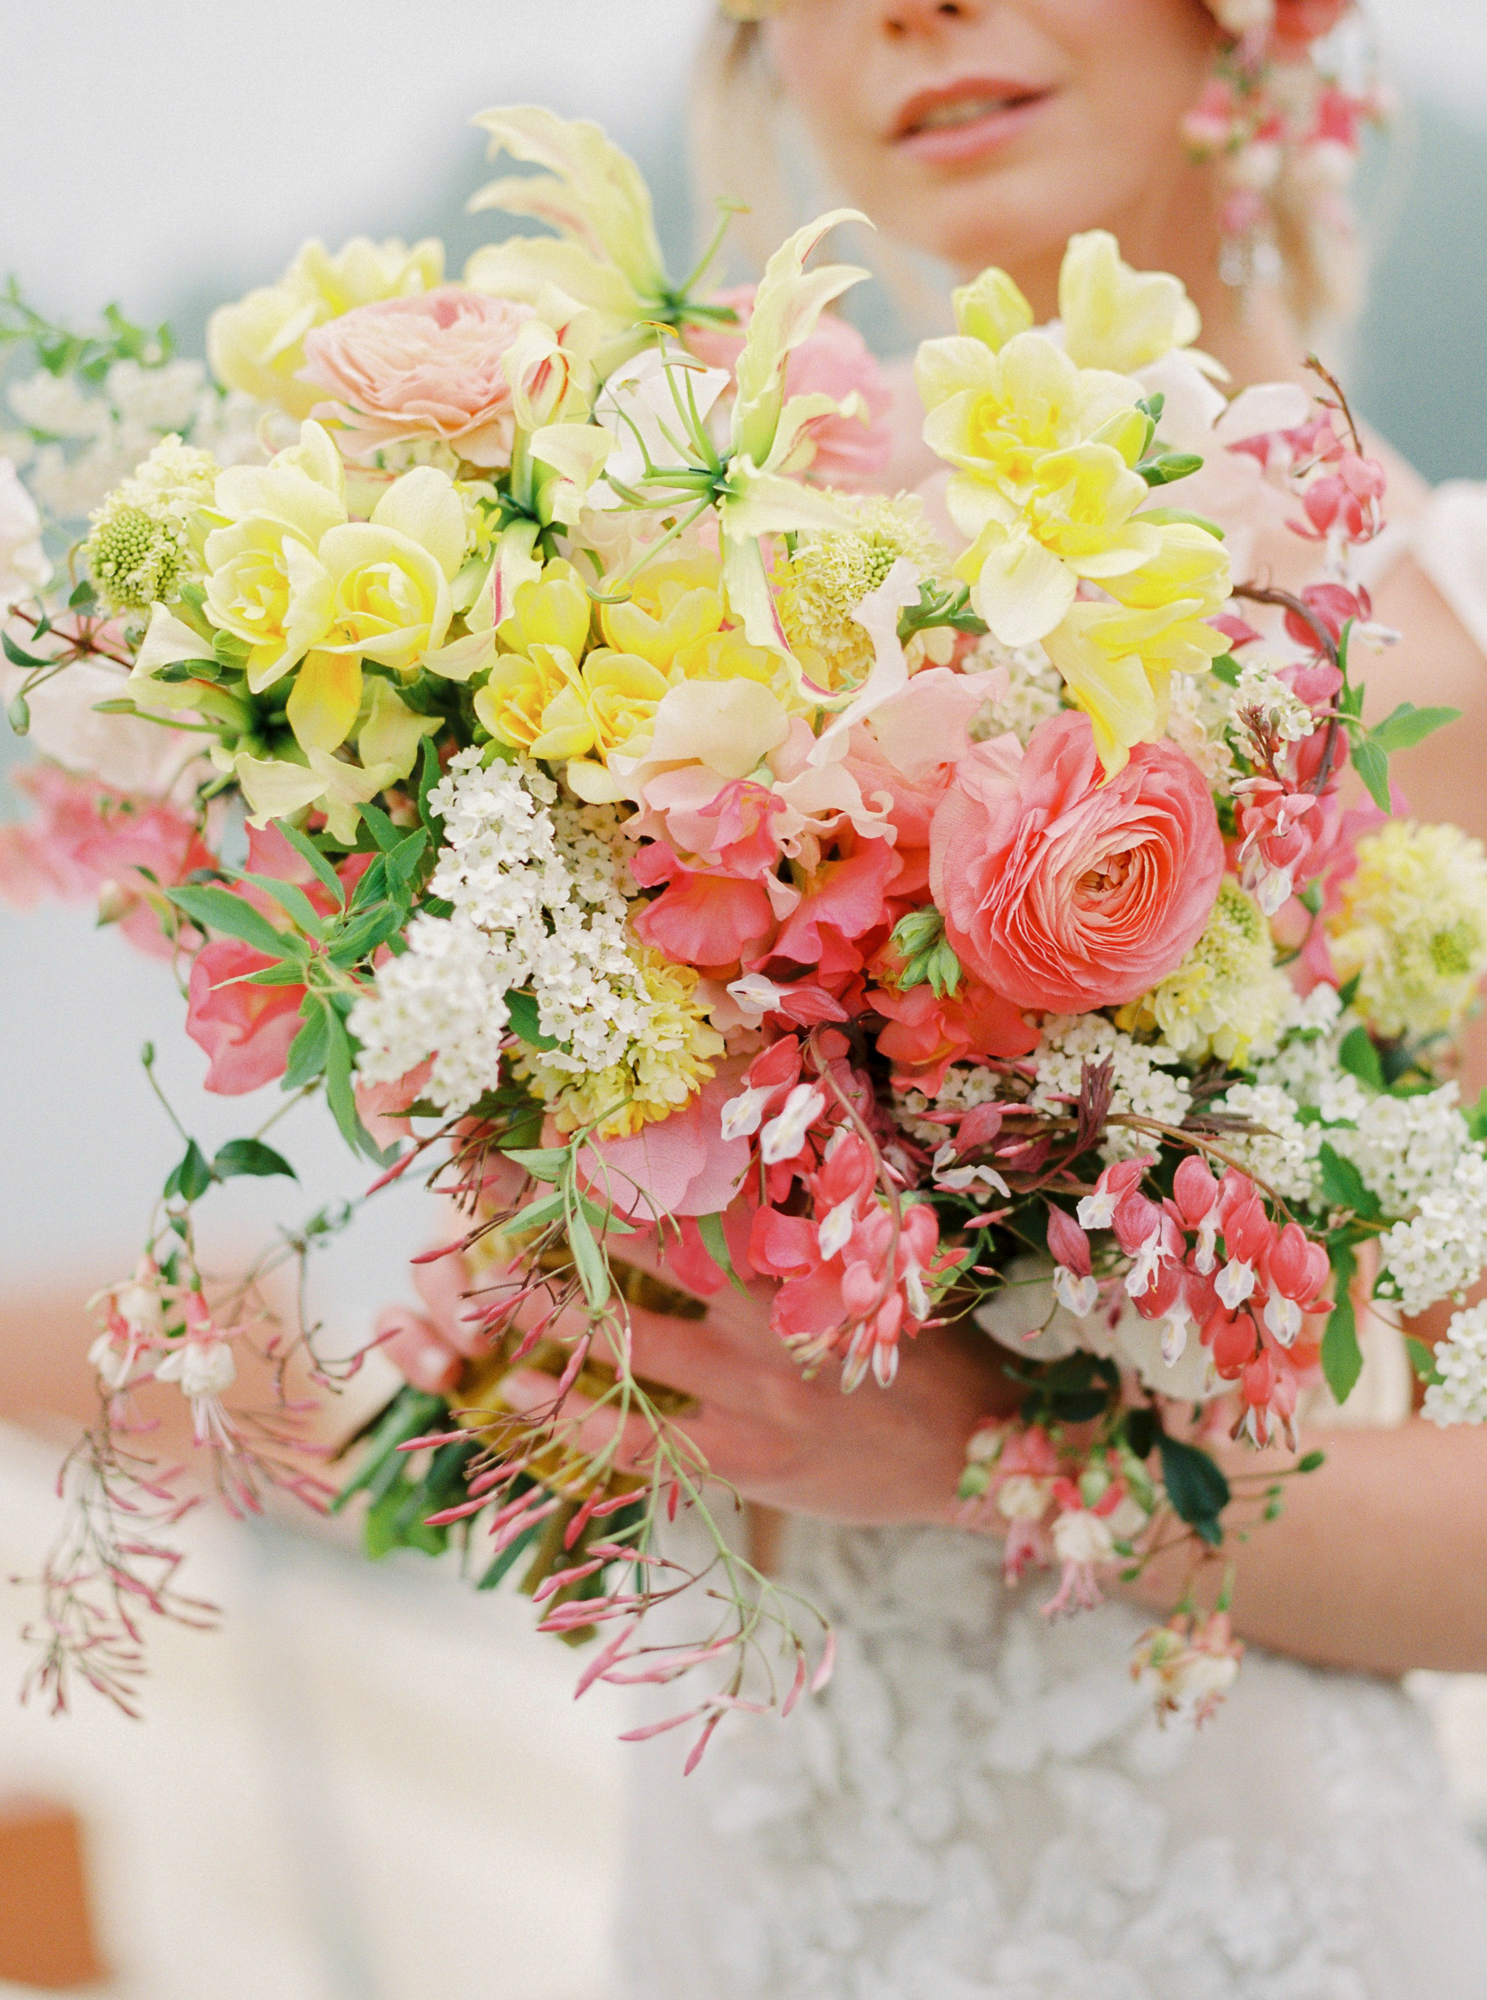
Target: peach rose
{"type": "Point", "coordinates": [1065, 893]}
{"type": "Point", "coordinates": [428, 366]}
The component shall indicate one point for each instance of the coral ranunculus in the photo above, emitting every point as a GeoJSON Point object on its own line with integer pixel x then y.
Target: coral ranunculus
{"type": "Point", "coordinates": [1065, 893]}
{"type": "Point", "coordinates": [427, 366]}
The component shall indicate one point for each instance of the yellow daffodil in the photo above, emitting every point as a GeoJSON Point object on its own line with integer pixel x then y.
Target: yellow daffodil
{"type": "Point", "coordinates": [257, 345]}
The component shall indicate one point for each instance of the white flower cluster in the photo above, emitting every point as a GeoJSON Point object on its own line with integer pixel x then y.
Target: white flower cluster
{"type": "Point", "coordinates": [1198, 723]}
{"type": "Point", "coordinates": [1138, 1075]}
{"type": "Point", "coordinates": [965, 1086]}
{"type": "Point", "coordinates": [77, 447]}
{"type": "Point", "coordinates": [536, 903]}
{"type": "Point", "coordinates": [1260, 691]}
{"type": "Point", "coordinates": [1306, 1066]}
{"type": "Point", "coordinates": [1034, 690]}
{"type": "Point", "coordinates": [1442, 1249]}
{"type": "Point", "coordinates": [1460, 1397]}
{"type": "Point", "coordinates": [1284, 1154]}
{"type": "Point", "coordinates": [1405, 1146]}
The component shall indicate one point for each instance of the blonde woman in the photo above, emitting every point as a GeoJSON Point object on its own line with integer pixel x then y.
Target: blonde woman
{"type": "Point", "coordinates": [980, 1807]}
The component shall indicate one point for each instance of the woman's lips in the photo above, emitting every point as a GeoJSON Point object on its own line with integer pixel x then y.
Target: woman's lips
{"type": "Point", "coordinates": [966, 120]}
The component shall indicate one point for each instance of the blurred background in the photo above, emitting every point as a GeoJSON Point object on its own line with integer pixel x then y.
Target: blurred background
{"type": "Point", "coordinates": [375, 1784]}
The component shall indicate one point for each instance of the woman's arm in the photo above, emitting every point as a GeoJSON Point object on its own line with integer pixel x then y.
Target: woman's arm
{"type": "Point", "coordinates": [1378, 1561]}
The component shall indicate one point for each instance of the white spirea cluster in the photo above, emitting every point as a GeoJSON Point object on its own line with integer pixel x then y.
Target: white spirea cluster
{"type": "Point", "coordinates": [1138, 1075]}
{"type": "Point", "coordinates": [1460, 1397]}
{"type": "Point", "coordinates": [1260, 691]}
{"type": "Point", "coordinates": [1198, 723]}
{"type": "Point", "coordinates": [1284, 1155]}
{"type": "Point", "coordinates": [1306, 1066]}
{"type": "Point", "coordinates": [536, 903]}
{"type": "Point", "coordinates": [1034, 690]}
{"type": "Point", "coordinates": [1442, 1250]}
{"type": "Point", "coordinates": [965, 1086]}
{"type": "Point", "coordinates": [1405, 1146]}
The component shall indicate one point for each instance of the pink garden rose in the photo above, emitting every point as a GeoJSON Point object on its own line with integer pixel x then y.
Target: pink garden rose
{"type": "Point", "coordinates": [1064, 892]}
{"type": "Point", "coordinates": [429, 366]}
{"type": "Point", "coordinates": [833, 361]}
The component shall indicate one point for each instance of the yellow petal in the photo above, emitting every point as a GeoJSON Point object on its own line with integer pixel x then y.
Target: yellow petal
{"type": "Point", "coordinates": [991, 309]}
{"type": "Point", "coordinates": [325, 699]}
{"type": "Point", "coordinates": [1022, 590]}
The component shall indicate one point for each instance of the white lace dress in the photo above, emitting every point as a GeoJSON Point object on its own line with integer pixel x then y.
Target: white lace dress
{"type": "Point", "coordinates": [981, 1806]}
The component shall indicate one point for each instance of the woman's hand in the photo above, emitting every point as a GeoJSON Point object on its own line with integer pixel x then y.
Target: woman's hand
{"type": "Point", "coordinates": [876, 1456]}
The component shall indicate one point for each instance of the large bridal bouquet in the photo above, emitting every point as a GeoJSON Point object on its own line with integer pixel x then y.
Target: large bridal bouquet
{"type": "Point", "coordinates": [705, 869]}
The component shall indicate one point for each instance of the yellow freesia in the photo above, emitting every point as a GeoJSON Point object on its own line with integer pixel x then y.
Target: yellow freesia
{"type": "Point", "coordinates": [994, 415]}
{"type": "Point", "coordinates": [390, 733]}
{"type": "Point", "coordinates": [279, 788]}
{"type": "Point", "coordinates": [257, 345]}
{"type": "Point", "coordinates": [991, 309]}
{"type": "Point", "coordinates": [1114, 317]}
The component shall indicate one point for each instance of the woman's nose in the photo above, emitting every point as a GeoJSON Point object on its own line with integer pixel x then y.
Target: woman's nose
{"type": "Point", "coordinates": [924, 17]}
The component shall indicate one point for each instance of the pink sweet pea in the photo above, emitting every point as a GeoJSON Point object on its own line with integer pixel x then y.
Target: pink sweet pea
{"type": "Point", "coordinates": [246, 1030]}
{"type": "Point", "coordinates": [834, 361]}
{"type": "Point", "coordinates": [427, 366]}
{"type": "Point", "coordinates": [89, 840]}
{"type": "Point", "coordinates": [1066, 892]}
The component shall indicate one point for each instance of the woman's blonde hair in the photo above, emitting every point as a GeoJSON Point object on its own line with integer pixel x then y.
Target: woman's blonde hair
{"type": "Point", "coordinates": [743, 148]}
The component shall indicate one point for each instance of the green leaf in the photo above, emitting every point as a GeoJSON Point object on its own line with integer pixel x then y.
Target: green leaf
{"type": "Point", "coordinates": [1195, 1485]}
{"type": "Point", "coordinates": [1358, 1055]}
{"type": "Point", "coordinates": [364, 933]}
{"type": "Point", "coordinates": [510, 1556]}
{"type": "Point", "coordinates": [339, 1065]}
{"type": "Point", "coordinates": [402, 863]}
{"type": "Point", "coordinates": [1312, 1462]}
{"type": "Point", "coordinates": [308, 851]}
{"type": "Point", "coordinates": [1342, 1358]}
{"type": "Point", "coordinates": [83, 596]}
{"type": "Point", "coordinates": [1170, 466]}
{"type": "Point", "coordinates": [1344, 1187]}
{"type": "Point", "coordinates": [290, 898]}
{"type": "Point", "coordinates": [543, 1163]}
{"type": "Point", "coordinates": [411, 1413]}
{"type": "Point", "coordinates": [1372, 766]}
{"type": "Point", "coordinates": [524, 1021]}
{"type": "Point", "coordinates": [306, 1058]}
{"type": "Point", "coordinates": [191, 1177]}
{"type": "Point", "coordinates": [250, 1156]}
{"type": "Point", "coordinates": [1226, 669]}
{"type": "Point", "coordinates": [289, 972]}
{"type": "Point", "coordinates": [220, 910]}
{"type": "Point", "coordinates": [429, 774]}
{"type": "Point", "coordinates": [1422, 1359]}
{"type": "Point", "coordinates": [715, 1242]}
{"type": "Point", "coordinates": [17, 657]}
{"type": "Point", "coordinates": [372, 886]}
{"type": "Point", "coordinates": [1409, 725]}
{"type": "Point", "coordinates": [592, 1269]}
{"type": "Point", "coordinates": [381, 828]}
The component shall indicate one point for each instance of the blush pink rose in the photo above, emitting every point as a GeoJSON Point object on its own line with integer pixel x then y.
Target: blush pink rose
{"type": "Point", "coordinates": [429, 366]}
{"type": "Point", "coordinates": [1063, 892]}
{"type": "Point", "coordinates": [833, 361]}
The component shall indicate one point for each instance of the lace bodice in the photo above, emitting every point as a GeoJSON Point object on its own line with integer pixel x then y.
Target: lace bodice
{"type": "Point", "coordinates": [981, 1807]}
